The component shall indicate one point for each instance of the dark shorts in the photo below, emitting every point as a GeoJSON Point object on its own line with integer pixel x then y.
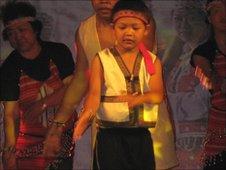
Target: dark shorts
{"type": "Point", "coordinates": [123, 149]}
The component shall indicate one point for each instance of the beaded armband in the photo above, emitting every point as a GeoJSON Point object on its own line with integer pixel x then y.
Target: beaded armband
{"type": "Point", "coordinates": [57, 124]}
{"type": "Point", "coordinates": [8, 149]}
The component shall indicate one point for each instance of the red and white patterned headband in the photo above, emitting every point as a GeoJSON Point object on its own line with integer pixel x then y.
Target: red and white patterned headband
{"type": "Point", "coordinates": [18, 21]}
{"type": "Point", "coordinates": [130, 13]}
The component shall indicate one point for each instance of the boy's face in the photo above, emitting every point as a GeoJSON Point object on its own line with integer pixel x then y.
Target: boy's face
{"type": "Point", "coordinates": [129, 32]}
{"type": "Point", "coordinates": [103, 8]}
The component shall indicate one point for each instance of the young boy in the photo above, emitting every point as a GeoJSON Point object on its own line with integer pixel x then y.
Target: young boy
{"type": "Point", "coordinates": [124, 87]}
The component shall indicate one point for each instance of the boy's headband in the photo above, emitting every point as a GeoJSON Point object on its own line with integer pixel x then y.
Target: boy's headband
{"type": "Point", "coordinates": [130, 13]}
{"type": "Point", "coordinates": [216, 3]}
{"type": "Point", "coordinates": [18, 21]}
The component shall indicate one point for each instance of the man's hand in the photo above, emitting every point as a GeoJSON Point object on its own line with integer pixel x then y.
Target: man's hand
{"type": "Point", "coordinates": [34, 111]}
{"type": "Point", "coordinates": [9, 160]}
{"type": "Point", "coordinates": [52, 144]}
{"type": "Point", "coordinates": [131, 99]}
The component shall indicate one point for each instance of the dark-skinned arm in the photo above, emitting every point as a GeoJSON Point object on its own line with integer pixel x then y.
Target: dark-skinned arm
{"type": "Point", "coordinates": [73, 95]}
{"type": "Point", "coordinates": [9, 159]}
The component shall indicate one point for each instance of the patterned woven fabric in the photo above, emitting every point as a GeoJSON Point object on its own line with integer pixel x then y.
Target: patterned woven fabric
{"type": "Point", "coordinates": [32, 134]}
{"type": "Point", "coordinates": [215, 142]}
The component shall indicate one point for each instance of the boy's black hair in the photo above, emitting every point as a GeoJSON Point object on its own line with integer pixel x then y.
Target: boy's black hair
{"type": "Point", "coordinates": [14, 10]}
{"type": "Point", "coordinates": [133, 5]}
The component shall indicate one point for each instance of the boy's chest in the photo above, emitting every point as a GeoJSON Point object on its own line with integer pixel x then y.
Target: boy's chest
{"type": "Point", "coordinates": [129, 62]}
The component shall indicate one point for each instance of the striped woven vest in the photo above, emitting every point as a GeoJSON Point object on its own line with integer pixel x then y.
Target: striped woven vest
{"type": "Point", "coordinates": [119, 81]}
{"type": "Point", "coordinates": [32, 90]}
{"type": "Point", "coordinates": [215, 141]}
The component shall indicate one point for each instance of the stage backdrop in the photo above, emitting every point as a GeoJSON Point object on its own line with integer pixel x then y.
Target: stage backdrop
{"type": "Point", "coordinates": [181, 27]}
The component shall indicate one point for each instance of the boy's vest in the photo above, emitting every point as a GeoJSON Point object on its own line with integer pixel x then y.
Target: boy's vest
{"type": "Point", "coordinates": [118, 81]}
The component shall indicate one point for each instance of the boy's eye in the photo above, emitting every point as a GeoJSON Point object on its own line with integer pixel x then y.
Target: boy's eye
{"type": "Point", "coordinates": [122, 27]}
{"type": "Point", "coordinates": [136, 28]}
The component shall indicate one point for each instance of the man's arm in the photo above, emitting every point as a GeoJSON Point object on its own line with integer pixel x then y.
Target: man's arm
{"type": "Point", "coordinates": [9, 159]}
{"type": "Point", "coordinates": [77, 87]}
{"type": "Point", "coordinates": [73, 95]}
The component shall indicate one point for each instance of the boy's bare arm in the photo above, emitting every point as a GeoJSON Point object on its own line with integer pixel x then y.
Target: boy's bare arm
{"type": "Point", "coordinates": [156, 93]}
{"type": "Point", "coordinates": [93, 99]}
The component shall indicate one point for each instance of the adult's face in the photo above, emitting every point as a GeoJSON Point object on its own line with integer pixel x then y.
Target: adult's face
{"type": "Point", "coordinates": [189, 24]}
{"type": "Point", "coordinates": [218, 17]}
{"type": "Point", "coordinates": [103, 8]}
{"type": "Point", "coordinates": [22, 37]}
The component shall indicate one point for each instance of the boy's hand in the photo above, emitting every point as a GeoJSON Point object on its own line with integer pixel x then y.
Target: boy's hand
{"type": "Point", "coordinates": [79, 129]}
{"type": "Point", "coordinates": [77, 134]}
{"type": "Point", "coordinates": [33, 112]}
{"type": "Point", "coordinates": [82, 124]}
{"type": "Point", "coordinates": [52, 143]}
{"type": "Point", "coordinates": [131, 99]}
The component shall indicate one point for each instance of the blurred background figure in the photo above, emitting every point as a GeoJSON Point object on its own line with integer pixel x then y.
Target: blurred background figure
{"type": "Point", "coordinates": [210, 61]}
{"type": "Point", "coordinates": [189, 101]}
